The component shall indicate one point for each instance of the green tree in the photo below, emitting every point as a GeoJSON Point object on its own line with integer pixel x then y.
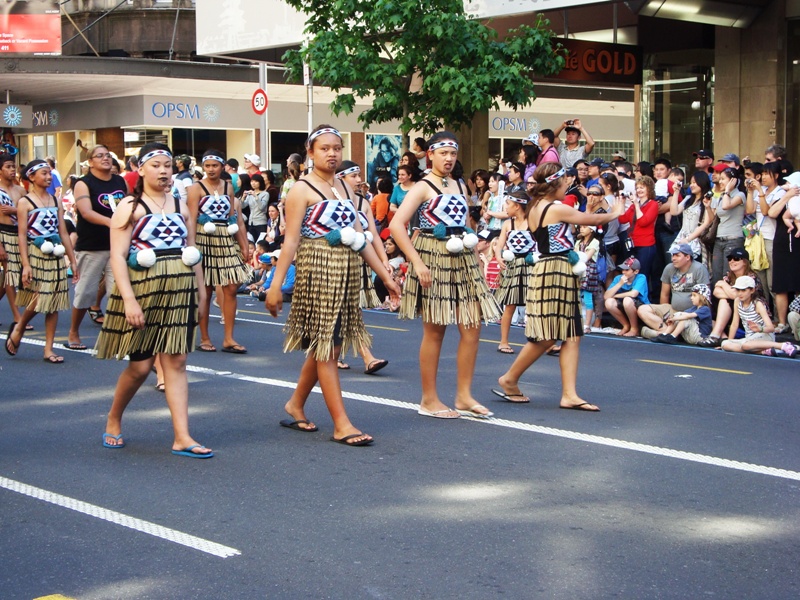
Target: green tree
{"type": "Point", "coordinates": [424, 63]}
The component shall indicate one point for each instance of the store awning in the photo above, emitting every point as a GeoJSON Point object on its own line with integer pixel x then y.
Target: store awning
{"type": "Point", "coordinates": [725, 13]}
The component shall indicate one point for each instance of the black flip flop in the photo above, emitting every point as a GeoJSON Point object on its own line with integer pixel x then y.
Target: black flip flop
{"type": "Point", "coordinates": [8, 341]}
{"type": "Point", "coordinates": [376, 365]}
{"type": "Point", "coordinates": [296, 425]}
{"type": "Point", "coordinates": [350, 437]}
{"type": "Point", "coordinates": [237, 349]}
{"type": "Point", "coordinates": [508, 397]}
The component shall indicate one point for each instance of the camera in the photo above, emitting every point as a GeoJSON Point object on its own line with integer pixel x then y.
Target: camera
{"type": "Point", "coordinates": [710, 194]}
{"type": "Point", "coordinates": [571, 122]}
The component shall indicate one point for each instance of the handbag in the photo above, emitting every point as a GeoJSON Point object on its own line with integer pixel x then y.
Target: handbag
{"type": "Point", "coordinates": [709, 236]}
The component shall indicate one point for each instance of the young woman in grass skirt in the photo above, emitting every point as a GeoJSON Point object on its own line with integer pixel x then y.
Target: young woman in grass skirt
{"type": "Point", "coordinates": [350, 173]}
{"type": "Point", "coordinates": [444, 283]}
{"type": "Point", "coordinates": [324, 233]}
{"type": "Point", "coordinates": [152, 310]}
{"type": "Point", "coordinates": [222, 240]}
{"type": "Point", "coordinates": [43, 241]}
{"type": "Point", "coordinates": [515, 251]}
{"type": "Point", "coordinates": [553, 308]}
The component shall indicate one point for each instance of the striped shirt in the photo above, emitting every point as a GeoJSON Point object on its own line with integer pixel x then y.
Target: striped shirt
{"type": "Point", "coordinates": [749, 314]}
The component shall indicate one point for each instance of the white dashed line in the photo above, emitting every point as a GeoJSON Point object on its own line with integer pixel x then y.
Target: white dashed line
{"type": "Point", "coordinates": [171, 535]}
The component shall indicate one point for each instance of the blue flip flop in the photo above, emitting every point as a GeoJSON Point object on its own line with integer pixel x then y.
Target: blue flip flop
{"type": "Point", "coordinates": [113, 437]}
{"type": "Point", "coordinates": [188, 452]}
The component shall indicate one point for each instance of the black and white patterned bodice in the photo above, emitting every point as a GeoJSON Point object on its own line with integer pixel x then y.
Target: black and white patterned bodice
{"type": "Point", "coordinates": [5, 200]}
{"type": "Point", "coordinates": [520, 241]}
{"type": "Point", "coordinates": [42, 222]}
{"type": "Point", "coordinates": [159, 232]}
{"type": "Point", "coordinates": [327, 215]}
{"type": "Point", "coordinates": [554, 239]}
{"type": "Point", "coordinates": [215, 207]}
{"type": "Point", "coordinates": [448, 209]}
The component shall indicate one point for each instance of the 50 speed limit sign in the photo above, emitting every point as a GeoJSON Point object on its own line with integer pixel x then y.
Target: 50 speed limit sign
{"type": "Point", "coordinates": [259, 102]}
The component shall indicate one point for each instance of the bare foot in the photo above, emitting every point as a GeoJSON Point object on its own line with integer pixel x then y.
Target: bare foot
{"type": "Point", "coordinates": [298, 414]}
{"type": "Point", "coordinates": [576, 403]}
{"type": "Point", "coordinates": [631, 333]}
{"type": "Point", "coordinates": [624, 331]}
{"type": "Point", "coordinates": [512, 390]}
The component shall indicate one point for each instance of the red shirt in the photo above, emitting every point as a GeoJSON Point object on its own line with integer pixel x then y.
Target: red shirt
{"type": "Point", "coordinates": [131, 178]}
{"type": "Point", "coordinates": [643, 232]}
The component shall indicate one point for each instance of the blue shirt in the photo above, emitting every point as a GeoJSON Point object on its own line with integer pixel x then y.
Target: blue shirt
{"type": "Point", "coordinates": [639, 284]}
{"type": "Point", "coordinates": [288, 282]}
{"type": "Point", "coordinates": [704, 319]}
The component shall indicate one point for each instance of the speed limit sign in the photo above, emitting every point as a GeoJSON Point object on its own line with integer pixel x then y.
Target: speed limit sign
{"type": "Point", "coordinates": [259, 102]}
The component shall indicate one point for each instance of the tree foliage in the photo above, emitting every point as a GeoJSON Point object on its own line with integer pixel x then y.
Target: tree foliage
{"type": "Point", "coordinates": [423, 62]}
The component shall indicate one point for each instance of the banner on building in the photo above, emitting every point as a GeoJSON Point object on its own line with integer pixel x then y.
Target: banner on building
{"type": "Point", "coordinates": [31, 28]}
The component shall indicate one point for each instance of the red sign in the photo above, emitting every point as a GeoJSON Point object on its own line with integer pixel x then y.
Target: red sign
{"type": "Point", "coordinates": [30, 28]}
{"type": "Point", "coordinates": [259, 102]}
{"type": "Point", "coordinates": [601, 63]}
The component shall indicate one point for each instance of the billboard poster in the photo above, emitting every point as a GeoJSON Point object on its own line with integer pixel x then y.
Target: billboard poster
{"type": "Point", "coordinates": [30, 27]}
{"type": "Point", "coordinates": [383, 156]}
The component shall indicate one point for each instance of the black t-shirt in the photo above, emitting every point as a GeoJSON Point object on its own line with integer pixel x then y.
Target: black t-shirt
{"type": "Point", "coordinates": [103, 195]}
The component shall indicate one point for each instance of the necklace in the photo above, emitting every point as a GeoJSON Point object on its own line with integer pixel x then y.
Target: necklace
{"type": "Point", "coordinates": [161, 206]}
{"type": "Point", "coordinates": [442, 177]}
{"type": "Point", "coordinates": [330, 185]}
{"type": "Point", "coordinates": [216, 189]}
{"type": "Point", "coordinates": [45, 200]}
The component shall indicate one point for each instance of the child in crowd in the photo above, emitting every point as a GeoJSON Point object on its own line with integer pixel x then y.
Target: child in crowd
{"type": "Point", "coordinates": [625, 295]}
{"type": "Point", "coordinates": [486, 247]}
{"type": "Point", "coordinates": [751, 312]}
{"type": "Point", "coordinates": [694, 323]}
{"type": "Point", "coordinates": [589, 244]}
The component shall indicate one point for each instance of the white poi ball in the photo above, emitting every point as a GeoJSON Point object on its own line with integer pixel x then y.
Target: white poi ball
{"type": "Point", "coordinates": [146, 258]}
{"type": "Point", "coordinates": [455, 245]}
{"type": "Point", "coordinates": [210, 227]}
{"type": "Point", "coordinates": [233, 229]}
{"type": "Point", "coordinates": [358, 241]}
{"type": "Point", "coordinates": [369, 236]}
{"type": "Point", "coordinates": [348, 235]}
{"type": "Point", "coordinates": [508, 255]}
{"type": "Point", "coordinates": [190, 256]}
{"type": "Point", "coordinates": [582, 257]}
{"type": "Point", "coordinates": [47, 247]}
{"type": "Point", "coordinates": [470, 241]}
{"type": "Point", "coordinates": [59, 250]}
{"type": "Point", "coordinates": [579, 268]}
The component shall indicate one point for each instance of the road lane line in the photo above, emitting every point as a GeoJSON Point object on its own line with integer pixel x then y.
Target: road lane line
{"type": "Point", "coordinates": [550, 431]}
{"type": "Point", "coordinates": [685, 366]}
{"type": "Point", "coordinates": [171, 535]}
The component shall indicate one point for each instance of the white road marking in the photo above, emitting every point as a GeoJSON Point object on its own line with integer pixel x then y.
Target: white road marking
{"type": "Point", "coordinates": [117, 518]}
{"type": "Point", "coordinates": [572, 435]}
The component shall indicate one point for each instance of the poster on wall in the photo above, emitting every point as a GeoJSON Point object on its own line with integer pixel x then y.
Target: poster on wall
{"type": "Point", "coordinates": [30, 27]}
{"type": "Point", "coordinates": [383, 156]}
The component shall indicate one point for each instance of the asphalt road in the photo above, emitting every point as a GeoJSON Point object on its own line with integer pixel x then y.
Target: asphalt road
{"type": "Point", "coordinates": [686, 485]}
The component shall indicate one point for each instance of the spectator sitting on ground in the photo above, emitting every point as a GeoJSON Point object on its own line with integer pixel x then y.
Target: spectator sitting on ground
{"type": "Point", "coordinates": [794, 317]}
{"type": "Point", "coordinates": [625, 295]}
{"type": "Point", "coordinates": [738, 266]}
{"type": "Point", "coordinates": [288, 283]}
{"type": "Point", "coordinates": [751, 312]}
{"type": "Point", "coordinates": [677, 281]}
{"type": "Point", "coordinates": [693, 324]}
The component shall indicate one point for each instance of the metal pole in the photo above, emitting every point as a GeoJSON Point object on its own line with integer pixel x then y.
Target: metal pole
{"type": "Point", "coordinates": [264, 145]}
{"type": "Point", "coordinates": [615, 22]}
{"type": "Point", "coordinates": [309, 96]}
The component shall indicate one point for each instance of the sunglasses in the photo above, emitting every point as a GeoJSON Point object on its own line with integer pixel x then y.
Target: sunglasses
{"type": "Point", "coordinates": [594, 194]}
{"type": "Point", "coordinates": [734, 258]}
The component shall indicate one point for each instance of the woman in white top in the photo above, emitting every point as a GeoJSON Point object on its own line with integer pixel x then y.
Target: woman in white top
{"type": "Point", "coordinates": [696, 219]}
{"type": "Point", "coordinates": [760, 196]}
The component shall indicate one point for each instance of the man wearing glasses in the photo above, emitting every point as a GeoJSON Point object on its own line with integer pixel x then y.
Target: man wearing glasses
{"type": "Point", "coordinates": [96, 197]}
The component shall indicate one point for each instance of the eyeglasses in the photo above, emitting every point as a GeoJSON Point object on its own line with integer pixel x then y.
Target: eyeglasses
{"type": "Point", "coordinates": [530, 183]}
{"type": "Point", "coordinates": [102, 156]}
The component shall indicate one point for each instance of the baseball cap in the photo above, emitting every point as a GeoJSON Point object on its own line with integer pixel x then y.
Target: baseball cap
{"type": "Point", "coordinates": [597, 162]}
{"type": "Point", "coordinates": [253, 158]}
{"type": "Point", "coordinates": [739, 254]}
{"type": "Point", "coordinates": [744, 282]}
{"type": "Point", "coordinates": [731, 157]}
{"type": "Point", "coordinates": [264, 258]}
{"type": "Point", "coordinates": [631, 263]}
{"type": "Point", "coordinates": [682, 249]}
{"type": "Point", "coordinates": [570, 128]}
{"type": "Point", "coordinates": [485, 235]}
{"type": "Point", "coordinates": [720, 167]}
{"type": "Point", "coordinates": [621, 154]}
{"type": "Point", "coordinates": [276, 254]}
{"type": "Point", "coordinates": [703, 154]}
